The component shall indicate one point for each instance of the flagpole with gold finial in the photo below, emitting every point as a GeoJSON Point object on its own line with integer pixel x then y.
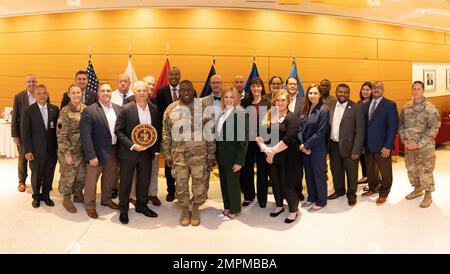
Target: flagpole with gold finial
{"type": "Point", "coordinates": [129, 51]}
{"type": "Point", "coordinates": [90, 52]}
{"type": "Point", "coordinates": [214, 57]}
{"type": "Point", "coordinates": [167, 49]}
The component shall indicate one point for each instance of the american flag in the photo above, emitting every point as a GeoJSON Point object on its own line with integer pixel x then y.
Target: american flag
{"type": "Point", "coordinates": [92, 78]}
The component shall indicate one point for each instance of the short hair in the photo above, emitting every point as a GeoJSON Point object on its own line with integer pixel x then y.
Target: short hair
{"type": "Point", "coordinates": [420, 83]}
{"type": "Point", "coordinates": [366, 83]}
{"type": "Point", "coordinates": [41, 86]}
{"type": "Point", "coordinates": [274, 77]}
{"type": "Point", "coordinates": [80, 72]}
{"type": "Point", "coordinates": [135, 85]}
{"type": "Point", "coordinates": [236, 97]}
{"type": "Point", "coordinates": [103, 83]}
{"type": "Point", "coordinates": [342, 85]}
{"type": "Point", "coordinates": [287, 80]}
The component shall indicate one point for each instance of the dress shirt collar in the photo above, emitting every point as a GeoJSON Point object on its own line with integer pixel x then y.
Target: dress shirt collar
{"type": "Point", "coordinates": [344, 105]}
{"type": "Point", "coordinates": [104, 106]}
{"type": "Point", "coordinates": [44, 106]}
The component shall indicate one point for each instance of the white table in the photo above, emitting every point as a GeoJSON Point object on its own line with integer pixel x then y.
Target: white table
{"type": "Point", "coordinates": [7, 146]}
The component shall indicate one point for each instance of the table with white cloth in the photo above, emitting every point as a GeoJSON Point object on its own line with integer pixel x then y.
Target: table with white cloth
{"type": "Point", "coordinates": [7, 146]}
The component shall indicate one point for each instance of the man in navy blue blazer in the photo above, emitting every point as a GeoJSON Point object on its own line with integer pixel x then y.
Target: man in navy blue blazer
{"type": "Point", "coordinates": [100, 149]}
{"type": "Point", "coordinates": [381, 126]}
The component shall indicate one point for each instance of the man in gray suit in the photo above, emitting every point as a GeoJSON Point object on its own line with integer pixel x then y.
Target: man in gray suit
{"type": "Point", "coordinates": [345, 143]}
{"type": "Point", "coordinates": [22, 100]}
{"type": "Point", "coordinates": [213, 100]}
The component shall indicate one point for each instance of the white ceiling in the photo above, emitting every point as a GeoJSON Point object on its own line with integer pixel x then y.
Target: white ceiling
{"type": "Point", "coordinates": [431, 14]}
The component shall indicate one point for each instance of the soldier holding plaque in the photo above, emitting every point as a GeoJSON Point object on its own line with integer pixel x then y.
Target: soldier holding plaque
{"type": "Point", "coordinates": [138, 129]}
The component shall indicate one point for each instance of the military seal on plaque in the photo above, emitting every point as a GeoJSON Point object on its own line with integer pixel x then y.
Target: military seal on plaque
{"type": "Point", "coordinates": [144, 135]}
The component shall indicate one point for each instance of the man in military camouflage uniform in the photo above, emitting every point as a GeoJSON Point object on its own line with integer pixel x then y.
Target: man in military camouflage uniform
{"type": "Point", "coordinates": [188, 151]}
{"type": "Point", "coordinates": [419, 125]}
{"type": "Point", "coordinates": [70, 154]}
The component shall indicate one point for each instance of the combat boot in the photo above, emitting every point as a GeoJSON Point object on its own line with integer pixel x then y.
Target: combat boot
{"type": "Point", "coordinates": [427, 200]}
{"type": "Point", "coordinates": [185, 216]}
{"type": "Point", "coordinates": [195, 216]}
{"type": "Point", "coordinates": [78, 197]}
{"type": "Point", "coordinates": [417, 192]}
{"type": "Point", "coordinates": [68, 205]}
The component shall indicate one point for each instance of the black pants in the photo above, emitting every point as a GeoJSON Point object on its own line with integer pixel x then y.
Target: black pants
{"type": "Point", "coordinates": [362, 160]}
{"type": "Point", "coordinates": [248, 174]}
{"type": "Point", "coordinates": [22, 169]}
{"type": "Point", "coordinates": [169, 179]}
{"type": "Point", "coordinates": [42, 173]}
{"type": "Point", "coordinates": [376, 165]}
{"type": "Point", "coordinates": [341, 166]}
{"type": "Point", "coordinates": [281, 190]}
{"type": "Point", "coordinates": [143, 167]}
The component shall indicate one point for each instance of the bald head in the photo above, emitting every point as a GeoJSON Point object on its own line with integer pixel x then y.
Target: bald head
{"type": "Point", "coordinates": [150, 82]}
{"type": "Point", "coordinates": [216, 84]}
{"type": "Point", "coordinates": [238, 83]}
{"type": "Point", "coordinates": [123, 83]}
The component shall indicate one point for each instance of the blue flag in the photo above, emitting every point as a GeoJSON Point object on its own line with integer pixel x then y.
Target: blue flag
{"type": "Point", "coordinates": [254, 73]}
{"type": "Point", "coordinates": [207, 88]}
{"type": "Point", "coordinates": [293, 73]}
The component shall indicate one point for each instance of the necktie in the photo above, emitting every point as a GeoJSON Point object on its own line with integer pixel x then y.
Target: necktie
{"type": "Point", "coordinates": [372, 110]}
{"type": "Point", "coordinates": [174, 94]}
{"type": "Point", "coordinates": [124, 99]}
{"type": "Point", "coordinates": [216, 98]}
{"type": "Point", "coordinates": [44, 116]}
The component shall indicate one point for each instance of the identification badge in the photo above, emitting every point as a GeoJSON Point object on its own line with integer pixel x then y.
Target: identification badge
{"type": "Point", "coordinates": [52, 125]}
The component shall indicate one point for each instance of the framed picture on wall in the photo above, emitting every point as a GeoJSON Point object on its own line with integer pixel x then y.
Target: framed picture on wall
{"type": "Point", "coordinates": [429, 79]}
{"type": "Point", "coordinates": [447, 79]}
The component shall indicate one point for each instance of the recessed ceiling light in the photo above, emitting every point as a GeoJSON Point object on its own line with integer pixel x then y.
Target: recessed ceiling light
{"type": "Point", "coordinates": [424, 12]}
{"type": "Point", "coordinates": [73, 3]}
{"type": "Point", "coordinates": [373, 3]}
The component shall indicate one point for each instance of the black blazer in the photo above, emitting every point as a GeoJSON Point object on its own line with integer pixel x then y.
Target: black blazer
{"type": "Point", "coordinates": [163, 99]}
{"type": "Point", "coordinates": [95, 135]}
{"type": "Point", "coordinates": [351, 130]}
{"type": "Point", "coordinates": [126, 121]}
{"type": "Point", "coordinates": [90, 98]}
{"type": "Point", "coordinates": [35, 137]}
{"type": "Point", "coordinates": [247, 101]}
{"type": "Point", "coordinates": [20, 104]}
{"type": "Point", "coordinates": [233, 151]}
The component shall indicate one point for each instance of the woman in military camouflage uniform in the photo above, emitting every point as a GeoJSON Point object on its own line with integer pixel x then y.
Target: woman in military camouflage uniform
{"type": "Point", "coordinates": [70, 154]}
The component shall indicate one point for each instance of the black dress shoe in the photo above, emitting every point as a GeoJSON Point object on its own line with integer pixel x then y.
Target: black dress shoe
{"type": "Point", "coordinates": [262, 205]}
{"type": "Point", "coordinates": [288, 221]}
{"type": "Point", "coordinates": [170, 197]}
{"type": "Point", "coordinates": [48, 201]}
{"type": "Point", "coordinates": [275, 214]}
{"type": "Point", "coordinates": [334, 196]}
{"type": "Point", "coordinates": [146, 211]}
{"type": "Point", "coordinates": [301, 197]}
{"type": "Point", "coordinates": [115, 193]}
{"type": "Point", "coordinates": [123, 218]}
{"type": "Point", "coordinates": [36, 203]}
{"type": "Point", "coordinates": [246, 203]}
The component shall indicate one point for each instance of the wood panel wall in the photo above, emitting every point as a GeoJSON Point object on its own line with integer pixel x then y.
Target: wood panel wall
{"type": "Point", "coordinates": [55, 46]}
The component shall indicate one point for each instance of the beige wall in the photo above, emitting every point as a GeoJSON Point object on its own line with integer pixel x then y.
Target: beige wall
{"type": "Point", "coordinates": [55, 46]}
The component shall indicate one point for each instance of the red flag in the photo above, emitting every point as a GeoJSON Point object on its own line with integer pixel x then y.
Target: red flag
{"type": "Point", "coordinates": [163, 79]}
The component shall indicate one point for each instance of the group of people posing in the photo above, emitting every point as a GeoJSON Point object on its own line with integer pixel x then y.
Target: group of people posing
{"type": "Point", "coordinates": [287, 135]}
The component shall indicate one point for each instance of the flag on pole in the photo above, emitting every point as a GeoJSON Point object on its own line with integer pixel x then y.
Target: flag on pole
{"type": "Point", "coordinates": [207, 87]}
{"type": "Point", "coordinates": [163, 79]}
{"type": "Point", "coordinates": [254, 73]}
{"type": "Point", "coordinates": [294, 73]}
{"type": "Point", "coordinates": [92, 77]}
{"type": "Point", "coordinates": [130, 72]}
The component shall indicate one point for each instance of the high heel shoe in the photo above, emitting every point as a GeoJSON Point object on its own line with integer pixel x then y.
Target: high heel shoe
{"type": "Point", "coordinates": [275, 214]}
{"type": "Point", "coordinates": [288, 221]}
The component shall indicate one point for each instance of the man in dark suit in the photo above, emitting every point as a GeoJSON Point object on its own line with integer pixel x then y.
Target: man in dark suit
{"type": "Point", "coordinates": [296, 107]}
{"type": "Point", "coordinates": [21, 101]}
{"type": "Point", "coordinates": [100, 149]}
{"type": "Point", "coordinates": [381, 126]}
{"type": "Point", "coordinates": [164, 97]}
{"type": "Point", "coordinates": [134, 157]}
{"type": "Point", "coordinates": [38, 131]}
{"type": "Point", "coordinates": [81, 81]}
{"type": "Point", "coordinates": [345, 143]}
